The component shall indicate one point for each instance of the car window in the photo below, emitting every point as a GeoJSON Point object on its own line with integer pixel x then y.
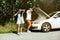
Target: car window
{"type": "Point", "coordinates": [58, 14]}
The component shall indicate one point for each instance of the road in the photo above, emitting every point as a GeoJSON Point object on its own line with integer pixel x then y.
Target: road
{"type": "Point", "coordinates": [53, 35]}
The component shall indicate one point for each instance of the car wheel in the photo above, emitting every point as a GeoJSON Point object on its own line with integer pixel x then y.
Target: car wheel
{"type": "Point", "coordinates": [46, 27]}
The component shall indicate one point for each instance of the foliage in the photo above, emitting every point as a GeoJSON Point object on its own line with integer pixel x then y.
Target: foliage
{"type": "Point", "coordinates": [9, 7]}
{"type": "Point", "coordinates": [10, 28]}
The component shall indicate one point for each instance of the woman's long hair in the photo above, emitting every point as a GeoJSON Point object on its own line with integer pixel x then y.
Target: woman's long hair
{"type": "Point", "coordinates": [21, 13]}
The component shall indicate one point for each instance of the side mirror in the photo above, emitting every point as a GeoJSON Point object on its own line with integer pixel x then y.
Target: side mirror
{"type": "Point", "coordinates": [55, 17]}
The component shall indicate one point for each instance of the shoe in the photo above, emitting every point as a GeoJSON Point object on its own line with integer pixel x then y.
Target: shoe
{"type": "Point", "coordinates": [28, 31]}
{"type": "Point", "coordinates": [18, 33]}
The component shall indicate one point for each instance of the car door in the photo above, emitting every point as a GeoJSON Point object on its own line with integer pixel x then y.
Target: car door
{"type": "Point", "coordinates": [58, 20]}
{"type": "Point", "coordinates": [55, 21]}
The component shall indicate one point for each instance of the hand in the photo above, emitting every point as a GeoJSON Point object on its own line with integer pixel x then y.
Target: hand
{"type": "Point", "coordinates": [15, 14]}
{"type": "Point", "coordinates": [23, 10]}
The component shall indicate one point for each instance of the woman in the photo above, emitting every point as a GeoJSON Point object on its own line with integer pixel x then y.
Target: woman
{"type": "Point", "coordinates": [28, 18]}
{"type": "Point", "coordinates": [20, 20]}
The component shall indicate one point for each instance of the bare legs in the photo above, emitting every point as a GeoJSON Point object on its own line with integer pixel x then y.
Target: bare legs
{"type": "Point", "coordinates": [29, 27]}
{"type": "Point", "coordinates": [28, 24]}
{"type": "Point", "coordinates": [20, 28]}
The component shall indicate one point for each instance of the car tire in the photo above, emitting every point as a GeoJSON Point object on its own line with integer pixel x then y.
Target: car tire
{"type": "Point", "coordinates": [46, 27]}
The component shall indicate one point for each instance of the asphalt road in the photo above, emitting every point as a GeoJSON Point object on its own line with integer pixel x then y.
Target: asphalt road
{"type": "Point", "coordinates": [53, 35]}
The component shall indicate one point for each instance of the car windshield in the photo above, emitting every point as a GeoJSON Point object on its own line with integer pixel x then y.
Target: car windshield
{"type": "Point", "coordinates": [51, 14]}
{"type": "Point", "coordinates": [58, 14]}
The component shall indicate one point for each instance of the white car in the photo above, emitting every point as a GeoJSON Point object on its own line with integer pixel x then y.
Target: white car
{"type": "Point", "coordinates": [48, 24]}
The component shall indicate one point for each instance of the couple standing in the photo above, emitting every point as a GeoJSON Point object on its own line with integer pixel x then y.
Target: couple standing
{"type": "Point", "coordinates": [20, 19]}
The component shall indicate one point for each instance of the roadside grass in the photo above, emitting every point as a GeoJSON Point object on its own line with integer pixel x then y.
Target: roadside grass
{"type": "Point", "coordinates": [10, 28]}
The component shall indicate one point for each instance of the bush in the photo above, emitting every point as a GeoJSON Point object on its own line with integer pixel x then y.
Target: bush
{"type": "Point", "coordinates": [10, 28]}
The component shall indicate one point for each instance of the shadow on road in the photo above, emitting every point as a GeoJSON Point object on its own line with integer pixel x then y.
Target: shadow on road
{"type": "Point", "coordinates": [49, 31]}
{"type": "Point", "coordinates": [36, 31]}
{"type": "Point", "coordinates": [15, 32]}
{"type": "Point", "coordinates": [53, 30]}
{"type": "Point", "coordinates": [58, 29]}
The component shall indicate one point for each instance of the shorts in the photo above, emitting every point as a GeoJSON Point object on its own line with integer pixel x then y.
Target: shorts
{"type": "Point", "coordinates": [28, 22]}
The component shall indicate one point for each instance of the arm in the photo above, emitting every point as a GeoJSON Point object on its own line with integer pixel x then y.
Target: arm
{"type": "Point", "coordinates": [15, 14]}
